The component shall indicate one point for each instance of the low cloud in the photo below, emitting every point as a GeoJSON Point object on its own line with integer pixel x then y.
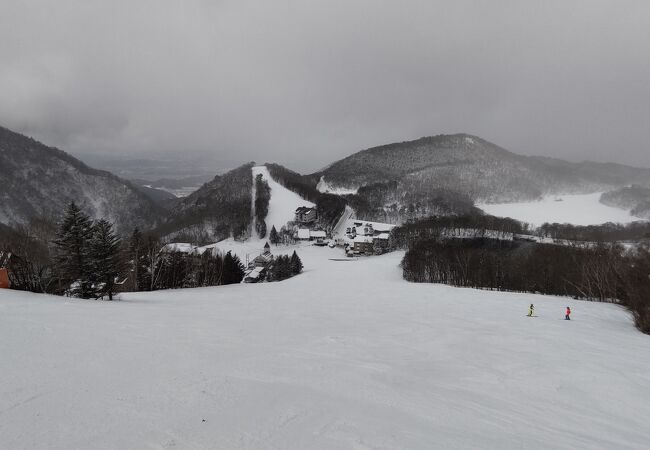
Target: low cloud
{"type": "Point", "coordinates": [307, 82]}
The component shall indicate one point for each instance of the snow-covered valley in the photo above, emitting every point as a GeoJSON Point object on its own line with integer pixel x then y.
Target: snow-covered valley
{"type": "Point", "coordinates": [346, 355]}
{"type": "Point", "coordinates": [578, 209]}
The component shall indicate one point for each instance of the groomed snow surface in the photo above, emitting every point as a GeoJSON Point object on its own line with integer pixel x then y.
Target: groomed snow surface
{"type": "Point", "coordinates": [345, 356]}
{"type": "Point", "coordinates": [575, 209]}
{"type": "Point", "coordinates": [283, 202]}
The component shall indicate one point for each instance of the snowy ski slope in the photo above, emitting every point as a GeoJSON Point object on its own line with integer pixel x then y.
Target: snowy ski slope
{"type": "Point", "coordinates": [345, 356]}
{"type": "Point", "coordinates": [283, 203]}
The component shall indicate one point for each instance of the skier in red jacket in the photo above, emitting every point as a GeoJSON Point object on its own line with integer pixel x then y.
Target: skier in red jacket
{"type": "Point", "coordinates": [568, 313]}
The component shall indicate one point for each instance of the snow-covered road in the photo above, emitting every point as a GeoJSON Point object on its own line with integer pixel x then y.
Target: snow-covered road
{"type": "Point", "coordinates": [346, 355]}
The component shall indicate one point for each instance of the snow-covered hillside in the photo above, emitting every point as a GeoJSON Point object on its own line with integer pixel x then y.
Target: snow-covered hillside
{"type": "Point", "coordinates": [325, 187]}
{"type": "Point", "coordinates": [283, 203]}
{"type": "Point", "coordinates": [346, 355]}
{"type": "Point", "coordinates": [39, 182]}
{"type": "Point", "coordinates": [574, 209]}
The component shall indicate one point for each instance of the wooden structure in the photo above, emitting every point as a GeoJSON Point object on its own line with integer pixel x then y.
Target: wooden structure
{"type": "Point", "coordinates": [5, 257]}
{"type": "Point", "coordinates": [4, 279]}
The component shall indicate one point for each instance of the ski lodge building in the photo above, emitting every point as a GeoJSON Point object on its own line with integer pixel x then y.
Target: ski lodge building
{"type": "Point", "coordinates": [305, 215]}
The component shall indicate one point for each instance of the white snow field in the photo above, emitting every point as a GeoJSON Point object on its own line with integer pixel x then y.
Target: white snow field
{"type": "Point", "coordinates": [325, 187]}
{"type": "Point", "coordinates": [283, 202]}
{"type": "Point", "coordinates": [345, 356]}
{"type": "Point", "coordinates": [584, 209]}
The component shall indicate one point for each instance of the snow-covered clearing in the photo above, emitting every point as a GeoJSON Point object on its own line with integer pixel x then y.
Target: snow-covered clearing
{"type": "Point", "coordinates": [283, 203]}
{"type": "Point", "coordinates": [575, 209]}
{"type": "Point", "coordinates": [326, 188]}
{"type": "Point", "coordinates": [346, 355]}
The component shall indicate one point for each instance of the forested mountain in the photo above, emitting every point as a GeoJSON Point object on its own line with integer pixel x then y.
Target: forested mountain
{"type": "Point", "coordinates": [37, 181]}
{"type": "Point", "coordinates": [437, 175]}
{"type": "Point", "coordinates": [635, 199]}
{"type": "Point", "coordinates": [220, 208]}
{"type": "Point", "coordinates": [474, 167]}
{"type": "Point", "coordinates": [158, 196]}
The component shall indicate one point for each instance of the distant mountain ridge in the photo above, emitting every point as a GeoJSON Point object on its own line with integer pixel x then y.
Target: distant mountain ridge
{"type": "Point", "coordinates": [37, 181]}
{"type": "Point", "coordinates": [437, 175]}
{"type": "Point", "coordinates": [475, 167]}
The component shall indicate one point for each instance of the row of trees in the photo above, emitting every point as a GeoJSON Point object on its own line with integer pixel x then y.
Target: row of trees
{"type": "Point", "coordinates": [285, 266]}
{"type": "Point", "coordinates": [603, 272]}
{"type": "Point", "coordinates": [153, 269]}
{"type": "Point", "coordinates": [87, 259]}
{"type": "Point", "coordinates": [31, 263]}
{"type": "Point", "coordinates": [284, 236]}
{"type": "Point", "coordinates": [262, 198]}
{"type": "Point", "coordinates": [436, 226]}
{"type": "Point", "coordinates": [596, 233]}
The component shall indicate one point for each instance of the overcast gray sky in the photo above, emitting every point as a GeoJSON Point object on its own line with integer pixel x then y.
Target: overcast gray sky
{"type": "Point", "coordinates": [307, 82]}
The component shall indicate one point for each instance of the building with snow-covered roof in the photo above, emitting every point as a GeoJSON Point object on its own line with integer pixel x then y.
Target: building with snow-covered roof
{"type": "Point", "coordinates": [363, 244]}
{"type": "Point", "coordinates": [305, 215]}
{"type": "Point", "coordinates": [258, 267]}
{"type": "Point", "coordinates": [254, 275]}
{"type": "Point", "coordinates": [303, 234]}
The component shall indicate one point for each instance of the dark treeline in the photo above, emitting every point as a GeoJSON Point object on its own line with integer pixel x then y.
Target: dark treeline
{"type": "Point", "coordinates": [152, 269]}
{"type": "Point", "coordinates": [433, 227]}
{"type": "Point", "coordinates": [329, 207]}
{"type": "Point", "coordinates": [594, 233]}
{"type": "Point", "coordinates": [284, 236]}
{"type": "Point", "coordinates": [300, 184]}
{"type": "Point", "coordinates": [262, 198]}
{"type": "Point", "coordinates": [603, 272]}
{"type": "Point", "coordinates": [88, 259]}
{"type": "Point", "coordinates": [176, 270]}
{"type": "Point", "coordinates": [32, 257]}
{"type": "Point", "coordinates": [284, 266]}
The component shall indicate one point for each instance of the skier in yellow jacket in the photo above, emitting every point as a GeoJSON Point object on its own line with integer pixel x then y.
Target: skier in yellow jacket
{"type": "Point", "coordinates": [531, 310]}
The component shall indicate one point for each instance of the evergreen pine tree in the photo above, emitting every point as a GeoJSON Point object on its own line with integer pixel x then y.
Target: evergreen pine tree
{"type": "Point", "coordinates": [233, 269]}
{"type": "Point", "coordinates": [296, 264]}
{"type": "Point", "coordinates": [282, 268]}
{"type": "Point", "coordinates": [261, 228]}
{"type": "Point", "coordinates": [274, 237]}
{"type": "Point", "coordinates": [105, 258]}
{"type": "Point", "coordinates": [72, 252]}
